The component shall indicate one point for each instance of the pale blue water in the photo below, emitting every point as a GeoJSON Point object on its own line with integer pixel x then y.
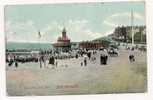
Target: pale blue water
{"type": "Point", "coordinates": [28, 46]}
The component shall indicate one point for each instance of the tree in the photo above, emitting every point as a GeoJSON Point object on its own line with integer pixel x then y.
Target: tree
{"type": "Point", "coordinates": [124, 33]}
{"type": "Point", "coordinates": [137, 37]}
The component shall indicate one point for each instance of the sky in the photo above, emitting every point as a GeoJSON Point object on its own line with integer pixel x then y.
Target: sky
{"type": "Point", "coordinates": [83, 21]}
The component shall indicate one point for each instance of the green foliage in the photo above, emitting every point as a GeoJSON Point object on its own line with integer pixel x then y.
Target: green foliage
{"type": "Point", "coordinates": [106, 41]}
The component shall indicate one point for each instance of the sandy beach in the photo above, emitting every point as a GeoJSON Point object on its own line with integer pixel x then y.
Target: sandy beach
{"type": "Point", "coordinates": [69, 77]}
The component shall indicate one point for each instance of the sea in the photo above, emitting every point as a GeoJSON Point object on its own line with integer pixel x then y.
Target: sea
{"type": "Point", "coordinates": [28, 46]}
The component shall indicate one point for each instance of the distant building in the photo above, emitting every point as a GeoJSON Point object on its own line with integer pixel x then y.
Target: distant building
{"type": "Point", "coordinates": [75, 45]}
{"type": "Point", "coordinates": [90, 45]}
{"type": "Point", "coordinates": [124, 34]}
{"type": "Point", "coordinates": [63, 42]}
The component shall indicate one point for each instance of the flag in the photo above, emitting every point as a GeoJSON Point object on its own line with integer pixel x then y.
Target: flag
{"type": "Point", "coordinates": [39, 34]}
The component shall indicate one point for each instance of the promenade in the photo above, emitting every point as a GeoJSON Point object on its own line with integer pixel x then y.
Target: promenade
{"type": "Point", "coordinates": [69, 77]}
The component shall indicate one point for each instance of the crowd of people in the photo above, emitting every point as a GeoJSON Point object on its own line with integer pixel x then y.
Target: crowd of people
{"type": "Point", "coordinates": [51, 57]}
{"type": "Point", "coordinates": [44, 57]}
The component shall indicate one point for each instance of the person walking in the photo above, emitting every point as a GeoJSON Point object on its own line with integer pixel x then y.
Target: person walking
{"type": "Point", "coordinates": [45, 60]}
{"type": "Point", "coordinates": [56, 62]}
{"type": "Point", "coordinates": [11, 61]}
{"type": "Point", "coordinates": [15, 61]}
{"type": "Point", "coordinates": [131, 56]}
{"type": "Point", "coordinates": [40, 61]}
{"type": "Point", "coordinates": [103, 57]}
{"type": "Point", "coordinates": [85, 60]}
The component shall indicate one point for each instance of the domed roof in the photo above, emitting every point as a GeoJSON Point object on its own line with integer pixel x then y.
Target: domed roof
{"type": "Point", "coordinates": [64, 30]}
{"type": "Point", "coordinates": [59, 38]}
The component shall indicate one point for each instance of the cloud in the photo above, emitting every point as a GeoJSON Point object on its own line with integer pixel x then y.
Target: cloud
{"type": "Point", "coordinates": [123, 19]}
{"type": "Point", "coordinates": [109, 23]}
{"type": "Point", "coordinates": [80, 30]}
{"type": "Point", "coordinates": [139, 16]}
{"type": "Point", "coordinates": [20, 31]}
{"type": "Point", "coordinates": [109, 32]}
{"type": "Point", "coordinates": [128, 14]}
{"type": "Point", "coordinates": [77, 30]}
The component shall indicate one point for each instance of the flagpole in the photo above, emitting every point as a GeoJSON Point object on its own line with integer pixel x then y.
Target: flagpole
{"type": "Point", "coordinates": [39, 36]}
{"type": "Point", "coordinates": [132, 28]}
